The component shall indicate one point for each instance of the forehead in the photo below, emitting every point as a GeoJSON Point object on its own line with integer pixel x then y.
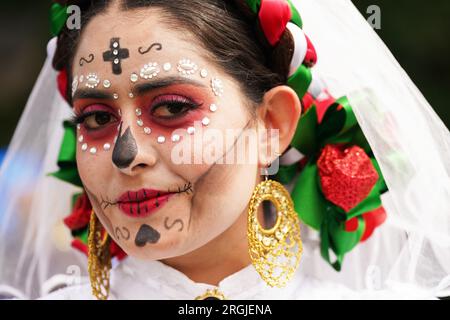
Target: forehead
{"type": "Point", "coordinates": [142, 36]}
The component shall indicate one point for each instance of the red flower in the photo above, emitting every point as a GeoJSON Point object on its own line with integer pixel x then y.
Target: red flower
{"type": "Point", "coordinates": [80, 246]}
{"type": "Point", "coordinates": [347, 175]}
{"type": "Point", "coordinates": [79, 219]}
{"type": "Point", "coordinates": [322, 102]}
{"type": "Point", "coordinates": [273, 18]}
{"type": "Point", "coordinates": [62, 83]}
{"type": "Point", "coordinates": [372, 219]}
{"type": "Point", "coordinates": [311, 55]}
{"type": "Point", "coordinates": [115, 250]}
{"type": "Point", "coordinates": [307, 101]}
{"type": "Point", "coordinates": [81, 214]}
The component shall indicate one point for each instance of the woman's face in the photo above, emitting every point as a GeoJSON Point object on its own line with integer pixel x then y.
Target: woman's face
{"type": "Point", "coordinates": [139, 89]}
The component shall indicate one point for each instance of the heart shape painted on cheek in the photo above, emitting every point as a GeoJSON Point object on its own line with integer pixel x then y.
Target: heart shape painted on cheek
{"type": "Point", "coordinates": [146, 234]}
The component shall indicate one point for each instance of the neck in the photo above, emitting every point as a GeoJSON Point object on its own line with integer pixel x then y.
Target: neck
{"type": "Point", "coordinates": [219, 258]}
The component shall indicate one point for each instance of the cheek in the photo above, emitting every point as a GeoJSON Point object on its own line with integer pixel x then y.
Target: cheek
{"type": "Point", "coordinates": [93, 168]}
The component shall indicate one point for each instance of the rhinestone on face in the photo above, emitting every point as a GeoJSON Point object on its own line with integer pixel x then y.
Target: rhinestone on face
{"type": "Point", "coordinates": [116, 52]}
{"type": "Point", "coordinates": [204, 73]}
{"type": "Point", "coordinates": [217, 87]}
{"type": "Point", "coordinates": [186, 67]}
{"type": "Point", "coordinates": [84, 147]}
{"type": "Point", "coordinates": [191, 130]}
{"type": "Point", "coordinates": [206, 121]}
{"type": "Point", "coordinates": [116, 61]}
{"type": "Point", "coordinates": [131, 95]}
{"type": "Point", "coordinates": [106, 146]}
{"type": "Point", "coordinates": [167, 66]}
{"type": "Point", "coordinates": [147, 130]}
{"type": "Point", "coordinates": [92, 80]}
{"type": "Point", "coordinates": [176, 138]}
{"type": "Point", "coordinates": [93, 150]}
{"type": "Point", "coordinates": [115, 44]}
{"type": "Point", "coordinates": [161, 139]}
{"type": "Point", "coordinates": [213, 107]}
{"type": "Point", "coordinates": [140, 123]}
{"type": "Point", "coordinates": [149, 71]}
{"type": "Point", "coordinates": [74, 85]}
{"type": "Point", "coordinates": [106, 84]}
{"type": "Point", "coordinates": [134, 77]}
{"type": "Point", "coordinates": [80, 138]}
{"type": "Point", "coordinates": [138, 112]}
{"type": "Point", "coordinates": [115, 96]}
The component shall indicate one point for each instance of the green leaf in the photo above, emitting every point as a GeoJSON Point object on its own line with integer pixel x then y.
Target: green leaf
{"type": "Point", "coordinates": [58, 17]}
{"type": "Point", "coordinates": [287, 173]}
{"type": "Point", "coordinates": [67, 164]}
{"type": "Point", "coordinates": [254, 5]}
{"type": "Point", "coordinates": [305, 137]}
{"type": "Point", "coordinates": [296, 18]}
{"type": "Point", "coordinates": [309, 202]}
{"type": "Point", "coordinates": [300, 80]}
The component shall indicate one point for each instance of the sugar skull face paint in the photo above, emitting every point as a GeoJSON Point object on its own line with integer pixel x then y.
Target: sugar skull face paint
{"type": "Point", "coordinates": [115, 55]}
{"type": "Point", "coordinates": [84, 60]}
{"type": "Point", "coordinates": [125, 149]}
{"type": "Point", "coordinates": [132, 115]}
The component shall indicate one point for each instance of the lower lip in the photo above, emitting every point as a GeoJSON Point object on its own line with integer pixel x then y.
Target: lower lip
{"type": "Point", "coordinates": [144, 208]}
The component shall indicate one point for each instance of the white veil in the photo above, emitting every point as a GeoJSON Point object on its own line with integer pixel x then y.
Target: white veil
{"type": "Point", "coordinates": [410, 142]}
{"type": "Point", "coordinates": [35, 245]}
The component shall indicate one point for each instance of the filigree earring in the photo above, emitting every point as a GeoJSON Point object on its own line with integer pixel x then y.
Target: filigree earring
{"type": "Point", "coordinates": [99, 260]}
{"type": "Point", "coordinates": [275, 252]}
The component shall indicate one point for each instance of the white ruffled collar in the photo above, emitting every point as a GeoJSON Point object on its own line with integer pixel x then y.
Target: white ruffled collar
{"type": "Point", "coordinates": [138, 279]}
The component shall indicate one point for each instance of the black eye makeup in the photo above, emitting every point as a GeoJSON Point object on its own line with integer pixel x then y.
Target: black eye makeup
{"type": "Point", "coordinates": [160, 104]}
{"type": "Point", "coordinates": [94, 117]}
{"type": "Point", "coordinates": [172, 106]}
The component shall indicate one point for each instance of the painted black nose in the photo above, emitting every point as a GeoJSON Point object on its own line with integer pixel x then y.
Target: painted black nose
{"type": "Point", "coordinates": [125, 150]}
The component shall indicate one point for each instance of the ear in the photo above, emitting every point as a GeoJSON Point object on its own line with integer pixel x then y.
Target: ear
{"type": "Point", "coordinates": [280, 110]}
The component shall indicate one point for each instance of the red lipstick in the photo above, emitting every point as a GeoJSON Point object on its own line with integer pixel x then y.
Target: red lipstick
{"type": "Point", "coordinates": [142, 203]}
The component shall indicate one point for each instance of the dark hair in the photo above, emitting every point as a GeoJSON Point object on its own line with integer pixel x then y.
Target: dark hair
{"type": "Point", "coordinates": [225, 28]}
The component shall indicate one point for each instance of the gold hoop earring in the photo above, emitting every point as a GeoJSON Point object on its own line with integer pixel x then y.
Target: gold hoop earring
{"type": "Point", "coordinates": [275, 252]}
{"type": "Point", "coordinates": [99, 259]}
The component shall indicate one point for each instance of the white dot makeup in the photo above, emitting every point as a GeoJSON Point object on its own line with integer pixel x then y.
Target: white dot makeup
{"type": "Point", "coordinates": [185, 67]}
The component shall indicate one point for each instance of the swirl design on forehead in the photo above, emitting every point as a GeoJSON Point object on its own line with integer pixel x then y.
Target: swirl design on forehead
{"type": "Point", "coordinates": [156, 44]}
{"type": "Point", "coordinates": [83, 60]}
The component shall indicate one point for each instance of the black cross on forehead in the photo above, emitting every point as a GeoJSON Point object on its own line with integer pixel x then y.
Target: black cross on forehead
{"type": "Point", "coordinates": [115, 55]}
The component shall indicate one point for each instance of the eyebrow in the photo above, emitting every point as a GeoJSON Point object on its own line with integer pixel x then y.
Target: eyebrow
{"type": "Point", "coordinates": [145, 87]}
{"type": "Point", "coordinates": [92, 94]}
{"type": "Point", "coordinates": [139, 89]}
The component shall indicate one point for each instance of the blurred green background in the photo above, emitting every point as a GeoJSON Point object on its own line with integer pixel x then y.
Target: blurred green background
{"type": "Point", "coordinates": [417, 33]}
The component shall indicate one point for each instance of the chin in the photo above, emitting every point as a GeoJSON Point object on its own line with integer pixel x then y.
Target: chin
{"type": "Point", "coordinates": [162, 250]}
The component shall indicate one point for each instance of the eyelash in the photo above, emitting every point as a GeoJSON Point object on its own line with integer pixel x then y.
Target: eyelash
{"type": "Point", "coordinates": [181, 101]}
{"type": "Point", "coordinates": [80, 118]}
{"type": "Point", "coordinates": [184, 102]}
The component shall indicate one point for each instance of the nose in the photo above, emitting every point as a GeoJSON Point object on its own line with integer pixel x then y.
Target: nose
{"type": "Point", "coordinates": [128, 156]}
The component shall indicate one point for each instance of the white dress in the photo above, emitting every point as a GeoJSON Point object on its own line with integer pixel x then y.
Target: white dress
{"type": "Point", "coordinates": [134, 279]}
